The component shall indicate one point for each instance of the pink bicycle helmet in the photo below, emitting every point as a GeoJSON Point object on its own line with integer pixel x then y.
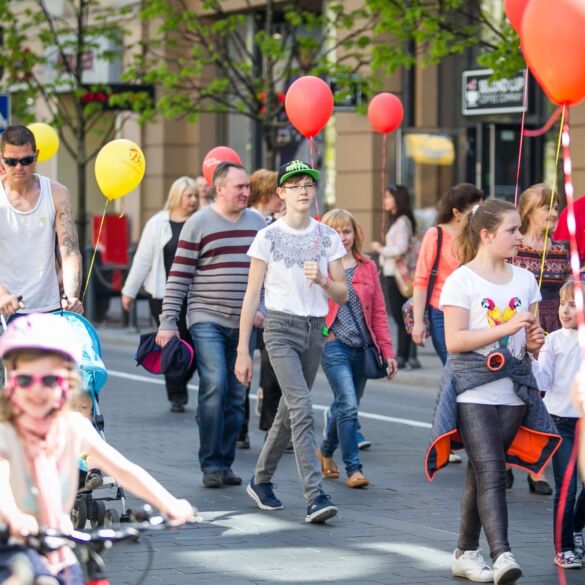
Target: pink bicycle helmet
{"type": "Point", "coordinates": [41, 331]}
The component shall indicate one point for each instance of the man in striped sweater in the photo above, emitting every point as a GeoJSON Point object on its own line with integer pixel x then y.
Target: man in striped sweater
{"type": "Point", "coordinates": [211, 269]}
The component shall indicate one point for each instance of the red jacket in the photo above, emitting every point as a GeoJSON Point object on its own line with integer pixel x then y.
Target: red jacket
{"type": "Point", "coordinates": [366, 284]}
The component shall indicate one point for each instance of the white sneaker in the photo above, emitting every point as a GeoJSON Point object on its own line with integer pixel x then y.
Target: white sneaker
{"type": "Point", "coordinates": [472, 566]}
{"type": "Point", "coordinates": [506, 569]}
{"type": "Point", "coordinates": [454, 458]}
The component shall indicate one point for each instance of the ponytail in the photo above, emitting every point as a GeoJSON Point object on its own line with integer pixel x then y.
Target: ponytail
{"type": "Point", "coordinates": [485, 216]}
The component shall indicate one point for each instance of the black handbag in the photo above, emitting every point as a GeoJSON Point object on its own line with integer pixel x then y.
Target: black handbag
{"type": "Point", "coordinates": [374, 365]}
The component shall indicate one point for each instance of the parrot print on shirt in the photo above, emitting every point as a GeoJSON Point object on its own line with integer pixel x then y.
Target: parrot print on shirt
{"type": "Point", "coordinates": [497, 316]}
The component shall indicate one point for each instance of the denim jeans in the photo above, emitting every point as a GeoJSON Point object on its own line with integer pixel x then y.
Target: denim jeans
{"type": "Point", "coordinates": [572, 512]}
{"type": "Point", "coordinates": [437, 322]}
{"type": "Point", "coordinates": [344, 367]}
{"type": "Point", "coordinates": [487, 432]}
{"type": "Point", "coordinates": [294, 345]}
{"type": "Point", "coordinates": [221, 395]}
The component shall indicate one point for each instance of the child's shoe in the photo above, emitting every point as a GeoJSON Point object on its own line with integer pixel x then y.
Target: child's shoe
{"type": "Point", "coordinates": [567, 560]}
{"type": "Point", "coordinates": [94, 479]}
{"type": "Point", "coordinates": [579, 544]}
{"type": "Point", "coordinates": [506, 569]}
{"type": "Point", "coordinates": [472, 566]}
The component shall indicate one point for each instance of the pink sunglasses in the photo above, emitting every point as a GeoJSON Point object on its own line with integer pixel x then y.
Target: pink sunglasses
{"type": "Point", "coordinates": [51, 381]}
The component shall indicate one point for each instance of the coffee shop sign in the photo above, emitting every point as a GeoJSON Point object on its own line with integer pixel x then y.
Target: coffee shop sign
{"type": "Point", "coordinates": [483, 96]}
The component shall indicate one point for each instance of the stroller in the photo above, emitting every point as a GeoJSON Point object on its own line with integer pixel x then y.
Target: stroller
{"type": "Point", "coordinates": [88, 505]}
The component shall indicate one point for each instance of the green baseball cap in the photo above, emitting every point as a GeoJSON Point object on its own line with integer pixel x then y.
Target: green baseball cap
{"type": "Point", "coordinates": [295, 167]}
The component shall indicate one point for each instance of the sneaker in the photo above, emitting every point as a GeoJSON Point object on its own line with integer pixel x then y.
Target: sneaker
{"type": "Point", "coordinates": [454, 458]}
{"type": "Point", "coordinates": [579, 544]}
{"type": "Point", "coordinates": [568, 560]}
{"type": "Point", "coordinates": [363, 443]}
{"type": "Point", "coordinates": [213, 479]}
{"type": "Point", "coordinates": [471, 565]}
{"type": "Point", "coordinates": [230, 478]}
{"type": "Point", "coordinates": [243, 441]}
{"type": "Point", "coordinates": [320, 509]}
{"type": "Point", "coordinates": [506, 569]}
{"type": "Point", "coordinates": [94, 479]}
{"type": "Point", "coordinates": [263, 495]}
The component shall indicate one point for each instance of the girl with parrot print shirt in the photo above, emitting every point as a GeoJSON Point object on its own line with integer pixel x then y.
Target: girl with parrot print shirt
{"type": "Point", "coordinates": [488, 305]}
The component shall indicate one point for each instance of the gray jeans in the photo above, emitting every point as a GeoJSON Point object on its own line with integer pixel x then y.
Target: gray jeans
{"type": "Point", "coordinates": [294, 345]}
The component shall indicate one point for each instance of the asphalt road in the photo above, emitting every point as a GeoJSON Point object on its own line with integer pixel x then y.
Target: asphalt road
{"type": "Point", "coordinates": [400, 530]}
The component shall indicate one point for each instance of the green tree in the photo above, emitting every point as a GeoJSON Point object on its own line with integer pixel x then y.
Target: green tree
{"type": "Point", "coordinates": [211, 60]}
{"type": "Point", "coordinates": [45, 52]}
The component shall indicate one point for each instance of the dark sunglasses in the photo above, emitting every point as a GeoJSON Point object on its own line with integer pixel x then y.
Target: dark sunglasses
{"type": "Point", "coordinates": [27, 380]}
{"type": "Point", "coordinates": [24, 161]}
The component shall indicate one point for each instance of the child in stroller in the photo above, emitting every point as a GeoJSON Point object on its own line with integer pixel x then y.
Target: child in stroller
{"type": "Point", "coordinates": [94, 376]}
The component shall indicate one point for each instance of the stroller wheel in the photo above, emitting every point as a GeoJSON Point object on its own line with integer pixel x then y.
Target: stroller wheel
{"type": "Point", "coordinates": [98, 514]}
{"type": "Point", "coordinates": [79, 514]}
{"type": "Point", "coordinates": [112, 518]}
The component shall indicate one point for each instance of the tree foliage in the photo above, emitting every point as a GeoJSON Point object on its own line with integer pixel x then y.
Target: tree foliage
{"type": "Point", "coordinates": [44, 56]}
{"type": "Point", "coordinates": [210, 59]}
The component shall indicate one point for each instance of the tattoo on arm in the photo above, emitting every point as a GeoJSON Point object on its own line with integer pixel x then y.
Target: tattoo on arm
{"type": "Point", "coordinates": [69, 247]}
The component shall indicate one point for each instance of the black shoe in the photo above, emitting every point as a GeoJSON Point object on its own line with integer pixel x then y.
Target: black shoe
{"type": "Point", "coordinates": [540, 487]}
{"type": "Point", "coordinates": [401, 363]}
{"type": "Point", "coordinates": [320, 509]}
{"type": "Point", "coordinates": [212, 479]}
{"type": "Point", "coordinates": [177, 407]}
{"type": "Point", "coordinates": [414, 364]}
{"type": "Point", "coordinates": [230, 478]}
{"type": "Point", "coordinates": [509, 479]}
{"type": "Point", "coordinates": [243, 441]}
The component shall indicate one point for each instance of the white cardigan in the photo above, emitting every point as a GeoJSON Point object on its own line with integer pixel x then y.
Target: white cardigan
{"type": "Point", "coordinates": [148, 266]}
{"type": "Point", "coordinates": [397, 244]}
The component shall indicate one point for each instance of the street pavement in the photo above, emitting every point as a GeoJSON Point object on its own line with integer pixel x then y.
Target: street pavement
{"type": "Point", "coordinates": [400, 530]}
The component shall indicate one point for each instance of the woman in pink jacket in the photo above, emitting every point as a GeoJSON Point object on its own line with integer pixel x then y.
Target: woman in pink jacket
{"type": "Point", "coordinates": [348, 328]}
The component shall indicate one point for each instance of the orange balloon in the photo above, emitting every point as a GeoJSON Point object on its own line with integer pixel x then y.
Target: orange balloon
{"type": "Point", "coordinates": [515, 12]}
{"type": "Point", "coordinates": [553, 43]}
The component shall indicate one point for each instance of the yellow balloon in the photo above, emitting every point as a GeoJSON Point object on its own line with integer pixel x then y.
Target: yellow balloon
{"type": "Point", "coordinates": [119, 168]}
{"type": "Point", "coordinates": [47, 140]}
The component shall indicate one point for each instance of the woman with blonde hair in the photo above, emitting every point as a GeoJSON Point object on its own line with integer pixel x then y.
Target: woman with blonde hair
{"type": "Point", "coordinates": [360, 322]}
{"type": "Point", "coordinates": [538, 221]}
{"type": "Point", "coordinates": [152, 263]}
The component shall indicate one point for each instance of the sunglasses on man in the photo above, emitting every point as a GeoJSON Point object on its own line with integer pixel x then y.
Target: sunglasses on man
{"type": "Point", "coordinates": [25, 161]}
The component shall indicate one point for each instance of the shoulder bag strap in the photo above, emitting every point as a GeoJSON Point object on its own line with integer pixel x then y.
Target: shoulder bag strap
{"type": "Point", "coordinates": [434, 269]}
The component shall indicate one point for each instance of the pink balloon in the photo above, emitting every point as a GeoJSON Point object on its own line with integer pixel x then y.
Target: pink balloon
{"type": "Point", "coordinates": [309, 105]}
{"type": "Point", "coordinates": [215, 156]}
{"type": "Point", "coordinates": [385, 112]}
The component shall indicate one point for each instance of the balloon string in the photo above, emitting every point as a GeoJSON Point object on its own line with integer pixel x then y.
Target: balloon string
{"type": "Point", "coordinates": [552, 200]}
{"type": "Point", "coordinates": [382, 187]}
{"type": "Point", "coordinates": [97, 243]}
{"type": "Point", "coordinates": [524, 102]}
{"type": "Point", "coordinates": [546, 127]}
{"type": "Point", "coordinates": [575, 263]}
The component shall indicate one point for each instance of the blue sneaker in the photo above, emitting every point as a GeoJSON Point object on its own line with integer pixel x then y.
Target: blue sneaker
{"type": "Point", "coordinates": [263, 495]}
{"type": "Point", "coordinates": [363, 443]}
{"type": "Point", "coordinates": [320, 509]}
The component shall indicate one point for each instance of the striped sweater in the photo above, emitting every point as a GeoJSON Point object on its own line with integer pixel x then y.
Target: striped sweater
{"type": "Point", "coordinates": [210, 268]}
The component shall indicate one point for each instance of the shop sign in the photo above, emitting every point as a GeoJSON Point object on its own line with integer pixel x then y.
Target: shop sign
{"type": "Point", "coordinates": [483, 96]}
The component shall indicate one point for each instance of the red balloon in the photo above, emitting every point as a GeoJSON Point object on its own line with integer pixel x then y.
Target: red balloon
{"type": "Point", "coordinates": [215, 156]}
{"type": "Point", "coordinates": [309, 105]}
{"type": "Point", "coordinates": [553, 44]}
{"type": "Point", "coordinates": [515, 12]}
{"type": "Point", "coordinates": [385, 112]}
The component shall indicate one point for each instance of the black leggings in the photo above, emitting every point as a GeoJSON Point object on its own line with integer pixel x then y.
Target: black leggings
{"type": "Point", "coordinates": [487, 432]}
{"type": "Point", "coordinates": [394, 302]}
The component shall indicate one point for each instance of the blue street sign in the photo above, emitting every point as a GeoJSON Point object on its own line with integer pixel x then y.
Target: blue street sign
{"type": "Point", "coordinates": [4, 111]}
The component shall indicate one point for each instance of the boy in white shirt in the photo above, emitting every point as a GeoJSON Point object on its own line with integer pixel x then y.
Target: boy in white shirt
{"type": "Point", "coordinates": [298, 261]}
{"type": "Point", "coordinates": [558, 362]}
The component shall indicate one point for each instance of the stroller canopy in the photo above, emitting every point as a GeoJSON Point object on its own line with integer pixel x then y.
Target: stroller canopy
{"type": "Point", "coordinates": [93, 371]}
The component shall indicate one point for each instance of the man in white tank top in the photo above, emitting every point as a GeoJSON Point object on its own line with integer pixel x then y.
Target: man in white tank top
{"type": "Point", "coordinates": [36, 215]}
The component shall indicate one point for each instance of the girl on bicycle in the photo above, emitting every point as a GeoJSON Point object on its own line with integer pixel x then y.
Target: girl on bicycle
{"type": "Point", "coordinates": [489, 401]}
{"type": "Point", "coordinates": [41, 440]}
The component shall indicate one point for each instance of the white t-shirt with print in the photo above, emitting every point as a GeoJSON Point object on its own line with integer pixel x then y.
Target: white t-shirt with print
{"type": "Point", "coordinates": [285, 250]}
{"type": "Point", "coordinates": [491, 304]}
